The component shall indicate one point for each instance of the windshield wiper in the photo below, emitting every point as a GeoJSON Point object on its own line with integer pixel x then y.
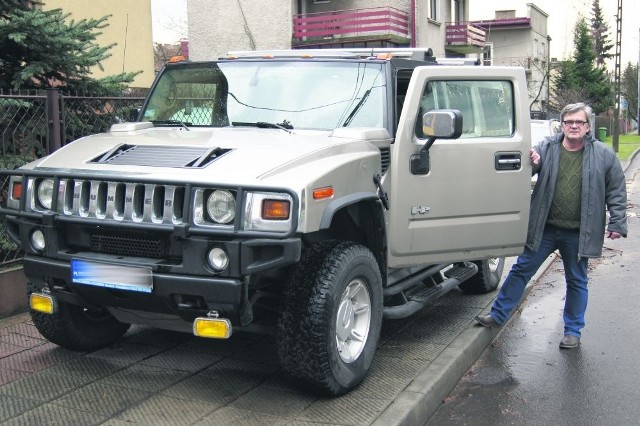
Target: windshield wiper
{"type": "Point", "coordinates": [285, 125]}
{"type": "Point", "coordinates": [356, 108]}
{"type": "Point", "coordinates": [183, 124]}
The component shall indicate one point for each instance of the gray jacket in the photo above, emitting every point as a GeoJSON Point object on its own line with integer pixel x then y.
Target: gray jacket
{"type": "Point", "coordinates": [603, 185]}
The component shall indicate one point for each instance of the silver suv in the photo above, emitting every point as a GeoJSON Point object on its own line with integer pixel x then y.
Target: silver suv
{"type": "Point", "coordinates": [309, 194]}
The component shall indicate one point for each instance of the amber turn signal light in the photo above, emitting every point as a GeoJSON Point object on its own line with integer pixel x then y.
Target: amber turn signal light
{"type": "Point", "coordinates": [16, 190]}
{"type": "Point", "coordinates": [275, 209]}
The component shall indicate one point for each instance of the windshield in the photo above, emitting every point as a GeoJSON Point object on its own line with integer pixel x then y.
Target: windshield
{"type": "Point", "coordinates": [299, 95]}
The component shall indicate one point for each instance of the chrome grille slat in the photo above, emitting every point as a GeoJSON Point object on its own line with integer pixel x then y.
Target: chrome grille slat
{"type": "Point", "coordinates": [128, 202]}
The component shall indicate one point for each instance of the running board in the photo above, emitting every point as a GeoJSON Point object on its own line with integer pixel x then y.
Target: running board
{"type": "Point", "coordinates": [417, 300]}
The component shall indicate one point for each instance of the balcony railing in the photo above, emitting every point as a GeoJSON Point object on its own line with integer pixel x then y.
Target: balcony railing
{"type": "Point", "coordinates": [463, 36]}
{"type": "Point", "coordinates": [376, 23]}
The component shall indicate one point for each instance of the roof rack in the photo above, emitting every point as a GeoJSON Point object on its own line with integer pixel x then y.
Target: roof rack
{"type": "Point", "coordinates": [397, 52]}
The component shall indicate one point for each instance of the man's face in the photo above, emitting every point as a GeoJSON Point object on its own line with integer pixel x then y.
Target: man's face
{"type": "Point", "coordinates": [575, 125]}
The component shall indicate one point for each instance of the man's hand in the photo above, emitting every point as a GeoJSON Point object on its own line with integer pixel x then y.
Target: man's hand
{"type": "Point", "coordinates": [535, 157]}
{"type": "Point", "coordinates": [613, 235]}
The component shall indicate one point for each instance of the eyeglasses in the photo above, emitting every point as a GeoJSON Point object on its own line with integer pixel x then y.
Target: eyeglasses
{"type": "Point", "coordinates": [571, 123]}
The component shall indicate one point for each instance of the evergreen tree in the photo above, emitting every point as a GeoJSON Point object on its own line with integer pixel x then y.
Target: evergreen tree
{"type": "Point", "coordinates": [629, 88]}
{"type": "Point", "coordinates": [600, 32]}
{"type": "Point", "coordinates": [580, 79]}
{"type": "Point", "coordinates": [41, 48]}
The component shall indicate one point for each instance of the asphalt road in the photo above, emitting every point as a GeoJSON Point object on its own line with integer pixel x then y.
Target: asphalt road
{"type": "Point", "coordinates": [523, 377]}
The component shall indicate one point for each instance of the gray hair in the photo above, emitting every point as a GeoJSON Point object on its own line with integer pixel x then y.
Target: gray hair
{"type": "Point", "coordinates": [577, 107]}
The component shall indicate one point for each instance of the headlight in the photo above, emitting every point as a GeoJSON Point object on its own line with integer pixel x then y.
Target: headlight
{"type": "Point", "coordinates": [221, 206]}
{"type": "Point", "coordinates": [45, 193]}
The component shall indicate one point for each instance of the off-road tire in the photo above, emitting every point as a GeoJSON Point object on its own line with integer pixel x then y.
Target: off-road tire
{"type": "Point", "coordinates": [76, 328]}
{"type": "Point", "coordinates": [310, 331]}
{"type": "Point", "coordinates": [486, 279]}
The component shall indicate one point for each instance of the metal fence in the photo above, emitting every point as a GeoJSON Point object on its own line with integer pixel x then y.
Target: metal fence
{"type": "Point", "coordinates": [36, 123]}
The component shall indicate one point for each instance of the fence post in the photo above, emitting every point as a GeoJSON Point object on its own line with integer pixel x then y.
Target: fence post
{"type": "Point", "coordinates": [55, 124]}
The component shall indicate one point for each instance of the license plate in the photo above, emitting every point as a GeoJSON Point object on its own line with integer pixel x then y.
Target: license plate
{"type": "Point", "coordinates": [119, 277]}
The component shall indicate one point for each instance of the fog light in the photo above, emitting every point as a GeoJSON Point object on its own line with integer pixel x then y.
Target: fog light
{"type": "Point", "coordinates": [37, 240]}
{"type": "Point", "coordinates": [218, 259]}
{"type": "Point", "coordinates": [42, 303]}
{"type": "Point", "coordinates": [212, 328]}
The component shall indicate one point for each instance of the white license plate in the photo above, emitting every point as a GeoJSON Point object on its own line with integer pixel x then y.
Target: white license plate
{"type": "Point", "coordinates": [120, 277]}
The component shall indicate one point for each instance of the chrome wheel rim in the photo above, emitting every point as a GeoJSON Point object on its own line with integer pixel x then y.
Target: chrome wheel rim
{"type": "Point", "coordinates": [353, 321]}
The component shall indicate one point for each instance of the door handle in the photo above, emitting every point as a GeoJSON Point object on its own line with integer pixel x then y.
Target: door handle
{"type": "Point", "coordinates": [508, 161]}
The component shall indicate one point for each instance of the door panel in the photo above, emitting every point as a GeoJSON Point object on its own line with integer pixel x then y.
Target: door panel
{"type": "Point", "coordinates": [474, 201]}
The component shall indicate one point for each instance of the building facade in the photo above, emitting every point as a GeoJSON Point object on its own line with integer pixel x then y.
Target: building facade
{"type": "Point", "coordinates": [219, 26]}
{"type": "Point", "coordinates": [521, 41]}
{"type": "Point", "coordinates": [129, 28]}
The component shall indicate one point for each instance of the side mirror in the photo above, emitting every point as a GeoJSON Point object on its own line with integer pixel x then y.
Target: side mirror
{"type": "Point", "coordinates": [442, 124]}
{"type": "Point", "coordinates": [436, 124]}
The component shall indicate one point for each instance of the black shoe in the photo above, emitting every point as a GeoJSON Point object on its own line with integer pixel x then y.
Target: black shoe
{"type": "Point", "coordinates": [569, 342]}
{"type": "Point", "coordinates": [486, 321]}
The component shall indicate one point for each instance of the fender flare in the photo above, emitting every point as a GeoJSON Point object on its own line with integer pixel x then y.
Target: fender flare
{"type": "Point", "coordinates": [339, 203]}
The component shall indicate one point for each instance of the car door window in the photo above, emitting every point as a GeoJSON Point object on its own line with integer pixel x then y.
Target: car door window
{"type": "Point", "coordinates": [486, 106]}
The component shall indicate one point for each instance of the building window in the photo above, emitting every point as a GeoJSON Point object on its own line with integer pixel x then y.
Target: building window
{"type": "Point", "coordinates": [434, 12]}
{"type": "Point", "coordinates": [487, 55]}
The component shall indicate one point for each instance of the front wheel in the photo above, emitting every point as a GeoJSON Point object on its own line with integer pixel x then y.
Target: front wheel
{"type": "Point", "coordinates": [486, 279]}
{"type": "Point", "coordinates": [332, 316]}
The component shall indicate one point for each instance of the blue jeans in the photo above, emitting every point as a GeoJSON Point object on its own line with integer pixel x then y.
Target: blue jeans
{"type": "Point", "coordinates": [575, 271]}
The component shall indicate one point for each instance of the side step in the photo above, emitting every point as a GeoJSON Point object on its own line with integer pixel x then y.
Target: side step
{"type": "Point", "coordinates": [417, 299]}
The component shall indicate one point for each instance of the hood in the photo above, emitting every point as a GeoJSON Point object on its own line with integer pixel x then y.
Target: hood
{"type": "Point", "coordinates": [233, 155]}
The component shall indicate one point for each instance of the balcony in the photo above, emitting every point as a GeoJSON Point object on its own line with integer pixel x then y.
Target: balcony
{"type": "Point", "coordinates": [356, 26]}
{"type": "Point", "coordinates": [464, 37]}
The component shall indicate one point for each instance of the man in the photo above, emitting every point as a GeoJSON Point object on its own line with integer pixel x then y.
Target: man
{"type": "Point", "coordinates": [577, 177]}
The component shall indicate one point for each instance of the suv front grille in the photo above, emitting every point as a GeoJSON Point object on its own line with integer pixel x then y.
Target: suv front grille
{"type": "Point", "coordinates": [127, 246]}
{"type": "Point", "coordinates": [120, 201]}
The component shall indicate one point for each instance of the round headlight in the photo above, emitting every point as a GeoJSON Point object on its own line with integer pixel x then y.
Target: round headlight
{"type": "Point", "coordinates": [45, 193]}
{"type": "Point", "coordinates": [221, 206]}
{"type": "Point", "coordinates": [37, 240]}
{"type": "Point", "coordinates": [217, 259]}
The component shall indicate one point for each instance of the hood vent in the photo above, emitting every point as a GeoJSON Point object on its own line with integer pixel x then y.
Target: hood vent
{"type": "Point", "coordinates": [160, 156]}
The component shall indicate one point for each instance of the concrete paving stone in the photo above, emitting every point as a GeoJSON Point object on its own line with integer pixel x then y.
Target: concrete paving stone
{"type": "Point", "coordinates": [402, 348]}
{"type": "Point", "coordinates": [42, 386]}
{"type": "Point", "coordinates": [22, 340]}
{"type": "Point", "coordinates": [240, 368]}
{"type": "Point", "coordinates": [344, 410]}
{"type": "Point", "coordinates": [7, 349]}
{"type": "Point", "coordinates": [274, 402]}
{"type": "Point", "coordinates": [52, 415]}
{"type": "Point", "coordinates": [13, 406]}
{"type": "Point", "coordinates": [387, 378]}
{"type": "Point", "coordinates": [228, 416]}
{"type": "Point", "coordinates": [126, 352]}
{"type": "Point", "coordinates": [217, 391]}
{"type": "Point", "coordinates": [222, 347]}
{"type": "Point", "coordinates": [33, 360]}
{"type": "Point", "coordinates": [25, 328]}
{"type": "Point", "coordinates": [8, 376]}
{"type": "Point", "coordinates": [146, 377]}
{"type": "Point", "coordinates": [264, 351]}
{"type": "Point", "coordinates": [143, 335]}
{"type": "Point", "coordinates": [164, 410]}
{"type": "Point", "coordinates": [87, 368]}
{"type": "Point", "coordinates": [180, 359]}
{"type": "Point", "coordinates": [101, 398]}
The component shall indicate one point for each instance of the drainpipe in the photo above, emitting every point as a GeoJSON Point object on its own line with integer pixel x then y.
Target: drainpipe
{"type": "Point", "coordinates": [413, 23]}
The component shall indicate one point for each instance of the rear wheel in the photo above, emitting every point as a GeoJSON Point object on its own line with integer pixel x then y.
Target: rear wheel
{"type": "Point", "coordinates": [487, 278]}
{"type": "Point", "coordinates": [76, 328]}
{"type": "Point", "coordinates": [332, 317]}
